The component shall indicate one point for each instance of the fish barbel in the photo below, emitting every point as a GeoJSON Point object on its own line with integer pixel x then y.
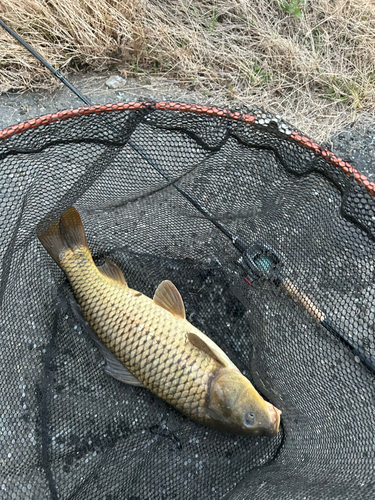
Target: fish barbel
{"type": "Point", "coordinates": [148, 342]}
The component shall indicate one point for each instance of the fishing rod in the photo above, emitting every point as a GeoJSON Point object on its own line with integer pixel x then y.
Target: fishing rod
{"type": "Point", "coordinates": [257, 260]}
{"type": "Point", "coordinates": [45, 63]}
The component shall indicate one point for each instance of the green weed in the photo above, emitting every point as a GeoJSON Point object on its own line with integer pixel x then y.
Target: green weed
{"type": "Point", "coordinates": [292, 6]}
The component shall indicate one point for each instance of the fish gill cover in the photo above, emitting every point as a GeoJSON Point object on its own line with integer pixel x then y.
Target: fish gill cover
{"type": "Point", "coordinates": [67, 429]}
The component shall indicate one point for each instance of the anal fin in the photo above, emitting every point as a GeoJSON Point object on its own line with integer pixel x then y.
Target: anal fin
{"type": "Point", "coordinates": [110, 270]}
{"type": "Point", "coordinates": [168, 297]}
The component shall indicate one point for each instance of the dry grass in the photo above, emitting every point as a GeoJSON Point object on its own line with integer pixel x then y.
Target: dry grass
{"type": "Point", "coordinates": [317, 70]}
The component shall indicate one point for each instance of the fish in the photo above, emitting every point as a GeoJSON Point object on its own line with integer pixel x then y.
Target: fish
{"type": "Point", "coordinates": [148, 342]}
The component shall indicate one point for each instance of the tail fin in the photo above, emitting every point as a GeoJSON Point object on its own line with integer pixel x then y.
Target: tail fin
{"type": "Point", "coordinates": [66, 233]}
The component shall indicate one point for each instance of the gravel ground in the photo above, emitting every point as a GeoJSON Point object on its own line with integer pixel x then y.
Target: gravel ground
{"type": "Point", "coordinates": [355, 144]}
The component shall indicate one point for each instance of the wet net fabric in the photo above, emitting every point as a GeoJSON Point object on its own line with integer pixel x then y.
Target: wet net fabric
{"type": "Point", "coordinates": [68, 430]}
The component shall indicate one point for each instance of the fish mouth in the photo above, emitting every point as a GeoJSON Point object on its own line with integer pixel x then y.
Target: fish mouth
{"type": "Point", "coordinates": [275, 419]}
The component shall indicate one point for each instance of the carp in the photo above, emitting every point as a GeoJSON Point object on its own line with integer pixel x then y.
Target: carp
{"type": "Point", "coordinates": [148, 342]}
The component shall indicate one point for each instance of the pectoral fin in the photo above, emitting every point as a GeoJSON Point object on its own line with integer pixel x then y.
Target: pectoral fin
{"type": "Point", "coordinates": [110, 270]}
{"type": "Point", "coordinates": [205, 344]}
{"type": "Point", "coordinates": [168, 297]}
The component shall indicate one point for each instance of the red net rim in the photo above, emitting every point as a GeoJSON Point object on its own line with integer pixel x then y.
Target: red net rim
{"type": "Point", "coordinates": [339, 163]}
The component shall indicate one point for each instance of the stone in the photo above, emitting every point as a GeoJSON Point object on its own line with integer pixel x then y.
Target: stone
{"type": "Point", "coordinates": [115, 82]}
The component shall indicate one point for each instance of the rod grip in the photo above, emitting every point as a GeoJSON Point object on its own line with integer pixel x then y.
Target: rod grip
{"type": "Point", "coordinates": [302, 299]}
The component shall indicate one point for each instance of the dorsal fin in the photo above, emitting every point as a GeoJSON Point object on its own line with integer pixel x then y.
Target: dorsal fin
{"type": "Point", "coordinates": [110, 270]}
{"type": "Point", "coordinates": [117, 370]}
{"type": "Point", "coordinates": [113, 366]}
{"type": "Point", "coordinates": [205, 344]}
{"type": "Point", "coordinates": [168, 297]}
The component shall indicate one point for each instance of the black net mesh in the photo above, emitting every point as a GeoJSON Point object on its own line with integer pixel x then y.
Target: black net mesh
{"type": "Point", "coordinates": [68, 430]}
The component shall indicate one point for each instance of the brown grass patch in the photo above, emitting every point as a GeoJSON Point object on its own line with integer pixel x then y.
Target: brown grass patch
{"type": "Point", "coordinates": [317, 70]}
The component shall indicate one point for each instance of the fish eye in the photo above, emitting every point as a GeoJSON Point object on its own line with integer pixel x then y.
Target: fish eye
{"type": "Point", "coordinates": [249, 419]}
